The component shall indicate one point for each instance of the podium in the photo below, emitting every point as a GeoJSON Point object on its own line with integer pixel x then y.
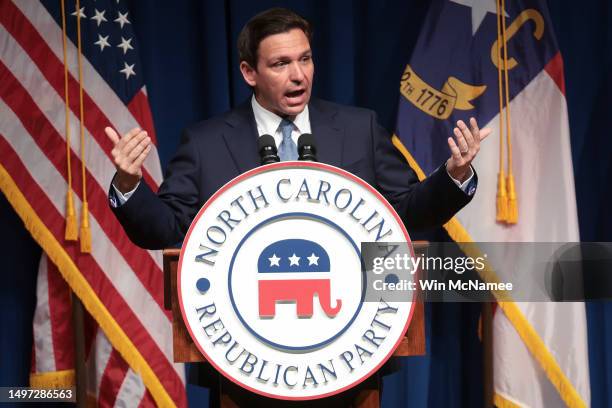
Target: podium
{"type": "Point", "coordinates": [366, 395]}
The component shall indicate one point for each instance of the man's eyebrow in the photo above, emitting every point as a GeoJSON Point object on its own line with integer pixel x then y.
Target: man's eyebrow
{"type": "Point", "coordinates": [282, 57]}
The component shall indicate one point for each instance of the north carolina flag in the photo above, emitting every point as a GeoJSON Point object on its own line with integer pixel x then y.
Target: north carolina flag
{"type": "Point", "coordinates": [459, 69]}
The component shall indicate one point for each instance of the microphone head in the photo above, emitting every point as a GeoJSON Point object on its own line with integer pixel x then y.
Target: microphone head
{"type": "Point", "coordinates": [266, 141]}
{"type": "Point", "coordinates": [306, 147]}
{"type": "Point", "coordinates": [266, 146]}
{"type": "Point", "coordinates": [306, 139]}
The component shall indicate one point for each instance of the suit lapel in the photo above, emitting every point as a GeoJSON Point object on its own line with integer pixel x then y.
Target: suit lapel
{"type": "Point", "coordinates": [327, 133]}
{"type": "Point", "coordinates": [241, 137]}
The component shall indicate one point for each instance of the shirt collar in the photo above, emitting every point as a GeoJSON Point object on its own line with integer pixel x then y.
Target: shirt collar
{"type": "Point", "coordinates": [268, 122]}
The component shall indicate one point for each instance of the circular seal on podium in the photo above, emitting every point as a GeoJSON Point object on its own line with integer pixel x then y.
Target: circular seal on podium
{"type": "Point", "coordinates": [271, 281]}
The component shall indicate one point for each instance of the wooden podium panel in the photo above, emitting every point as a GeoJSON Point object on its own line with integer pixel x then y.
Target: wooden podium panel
{"type": "Point", "coordinates": [185, 350]}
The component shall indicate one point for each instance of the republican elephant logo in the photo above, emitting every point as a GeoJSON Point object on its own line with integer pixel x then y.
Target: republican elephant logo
{"type": "Point", "coordinates": [291, 261]}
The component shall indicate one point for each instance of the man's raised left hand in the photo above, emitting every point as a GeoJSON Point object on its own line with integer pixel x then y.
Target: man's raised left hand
{"type": "Point", "coordinates": [465, 149]}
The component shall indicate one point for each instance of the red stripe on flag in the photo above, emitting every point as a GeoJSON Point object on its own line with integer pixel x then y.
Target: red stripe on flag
{"type": "Point", "coordinates": [146, 401]}
{"type": "Point", "coordinates": [140, 109]}
{"type": "Point", "coordinates": [47, 138]}
{"type": "Point", "coordinates": [92, 272]}
{"type": "Point", "coordinates": [60, 313]}
{"type": "Point", "coordinates": [112, 378]}
{"type": "Point", "coordinates": [53, 69]}
{"type": "Point", "coordinates": [554, 68]}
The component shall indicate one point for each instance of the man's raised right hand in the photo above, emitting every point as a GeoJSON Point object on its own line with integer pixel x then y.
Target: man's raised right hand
{"type": "Point", "coordinates": [129, 152]}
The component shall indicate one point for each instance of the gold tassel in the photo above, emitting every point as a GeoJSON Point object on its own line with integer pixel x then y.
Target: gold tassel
{"type": "Point", "coordinates": [512, 214]}
{"type": "Point", "coordinates": [85, 230]}
{"type": "Point", "coordinates": [71, 221]}
{"type": "Point", "coordinates": [71, 232]}
{"type": "Point", "coordinates": [502, 198]}
{"type": "Point", "coordinates": [512, 204]}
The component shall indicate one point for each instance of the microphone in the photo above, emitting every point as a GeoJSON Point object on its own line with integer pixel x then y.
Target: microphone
{"type": "Point", "coordinates": [267, 149]}
{"type": "Point", "coordinates": [306, 147]}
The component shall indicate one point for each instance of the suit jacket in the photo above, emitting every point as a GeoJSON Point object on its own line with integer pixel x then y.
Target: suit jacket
{"type": "Point", "coordinates": [214, 151]}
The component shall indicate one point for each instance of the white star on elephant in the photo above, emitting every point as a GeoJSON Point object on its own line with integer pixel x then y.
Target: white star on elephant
{"type": "Point", "coordinates": [274, 260]}
{"type": "Point", "coordinates": [294, 260]}
{"type": "Point", "coordinates": [313, 259]}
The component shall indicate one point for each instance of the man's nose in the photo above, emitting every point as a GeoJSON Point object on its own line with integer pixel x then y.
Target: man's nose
{"type": "Point", "coordinates": [296, 74]}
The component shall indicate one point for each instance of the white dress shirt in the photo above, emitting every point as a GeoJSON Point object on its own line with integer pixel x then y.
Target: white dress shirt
{"type": "Point", "coordinates": [268, 123]}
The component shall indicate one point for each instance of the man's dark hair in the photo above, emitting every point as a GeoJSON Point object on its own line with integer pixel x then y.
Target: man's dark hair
{"type": "Point", "coordinates": [273, 21]}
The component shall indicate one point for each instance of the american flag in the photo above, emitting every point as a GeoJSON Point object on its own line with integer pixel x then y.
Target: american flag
{"type": "Point", "coordinates": [120, 284]}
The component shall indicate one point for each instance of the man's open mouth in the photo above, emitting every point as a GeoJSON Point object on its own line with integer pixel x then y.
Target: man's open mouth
{"type": "Point", "coordinates": [295, 94]}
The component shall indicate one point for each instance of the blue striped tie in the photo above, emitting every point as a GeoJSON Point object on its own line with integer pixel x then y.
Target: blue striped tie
{"type": "Point", "coordinates": [287, 149]}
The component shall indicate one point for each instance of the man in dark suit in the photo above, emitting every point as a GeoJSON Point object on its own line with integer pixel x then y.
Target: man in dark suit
{"type": "Point", "coordinates": [276, 61]}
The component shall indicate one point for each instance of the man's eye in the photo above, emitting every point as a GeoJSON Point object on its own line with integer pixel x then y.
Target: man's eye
{"type": "Point", "coordinates": [280, 63]}
{"type": "Point", "coordinates": [306, 58]}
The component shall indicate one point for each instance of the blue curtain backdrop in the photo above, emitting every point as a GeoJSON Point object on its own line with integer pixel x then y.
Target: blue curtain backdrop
{"type": "Point", "coordinates": [360, 49]}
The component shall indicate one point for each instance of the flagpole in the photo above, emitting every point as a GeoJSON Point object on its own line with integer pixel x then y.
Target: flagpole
{"type": "Point", "coordinates": [487, 351]}
{"type": "Point", "coordinates": [79, 352]}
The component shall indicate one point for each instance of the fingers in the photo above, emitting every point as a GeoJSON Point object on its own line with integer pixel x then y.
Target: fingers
{"type": "Point", "coordinates": [467, 134]}
{"type": "Point", "coordinates": [475, 131]}
{"type": "Point", "coordinates": [128, 137]}
{"type": "Point", "coordinates": [129, 151]}
{"type": "Point", "coordinates": [461, 142]}
{"type": "Point", "coordinates": [466, 147]}
{"type": "Point", "coordinates": [137, 164]}
{"type": "Point", "coordinates": [110, 132]}
{"type": "Point", "coordinates": [455, 152]}
{"type": "Point", "coordinates": [134, 142]}
{"type": "Point", "coordinates": [484, 133]}
{"type": "Point", "coordinates": [118, 141]}
{"type": "Point", "coordinates": [468, 139]}
{"type": "Point", "coordinates": [137, 150]}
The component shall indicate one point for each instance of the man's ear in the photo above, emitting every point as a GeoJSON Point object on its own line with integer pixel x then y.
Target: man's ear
{"type": "Point", "coordinates": [248, 73]}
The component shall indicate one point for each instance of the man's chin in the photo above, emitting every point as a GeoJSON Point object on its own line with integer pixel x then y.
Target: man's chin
{"type": "Point", "coordinates": [295, 106]}
{"type": "Point", "coordinates": [293, 110]}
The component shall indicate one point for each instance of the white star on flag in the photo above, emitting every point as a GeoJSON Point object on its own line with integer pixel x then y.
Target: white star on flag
{"type": "Point", "coordinates": [125, 45]}
{"type": "Point", "coordinates": [274, 260]}
{"type": "Point", "coordinates": [294, 260]}
{"type": "Point", "coordinates": [102, 42]}
{"type": "Point", "coordinates": [99, 17]}
{"type": "Point", "coordinates": [80, 12]}
{"type": "Point", "coordinates": [480, 8]}
{"type": "Point", "coordinates": [122, 19]}
{"type": "Point", "coordinates": [313, 260]}
{"type": "Point", "coordinates": [128, 70]}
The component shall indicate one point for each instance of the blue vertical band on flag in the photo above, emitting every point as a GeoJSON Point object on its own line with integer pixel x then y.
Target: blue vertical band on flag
{"type": "Point", "coordinates": [452, 73]}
